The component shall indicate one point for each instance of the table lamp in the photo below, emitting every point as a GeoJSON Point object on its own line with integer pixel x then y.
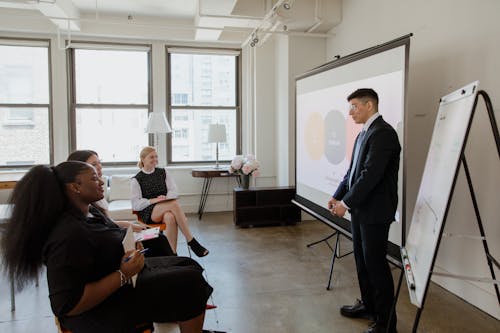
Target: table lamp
{"type": "Point", "coordinates": [157, 123]}
{"type": "Point", "coordinates": [216, 133]}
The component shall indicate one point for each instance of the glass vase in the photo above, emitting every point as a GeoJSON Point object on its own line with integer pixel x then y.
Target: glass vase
{"type": "Point", "coordinates": [245, 181]}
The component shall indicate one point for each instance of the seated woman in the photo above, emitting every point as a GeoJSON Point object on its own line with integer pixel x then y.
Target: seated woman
{"type": "Point", "coordinates": [154, 195]}
{"type": "Point", "coordinates": [157, 246]}
{"type": "Point", "coordinates": [87, 270]}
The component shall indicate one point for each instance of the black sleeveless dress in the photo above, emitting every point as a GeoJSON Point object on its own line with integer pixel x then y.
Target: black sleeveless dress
{"type": "Point", "coordinates": [152, 185]}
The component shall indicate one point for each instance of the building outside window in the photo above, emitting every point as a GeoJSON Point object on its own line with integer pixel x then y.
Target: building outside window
{"type": "Point", "coordinates": [25, 132]}
{"type": "Point", "coordinates": [110, 100]}
{"type": "Point", "coordinates": [203, 89]}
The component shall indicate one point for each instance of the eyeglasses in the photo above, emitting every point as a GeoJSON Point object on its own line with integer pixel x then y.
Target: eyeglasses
{"type": "Point", "coordinates": [354, 107]}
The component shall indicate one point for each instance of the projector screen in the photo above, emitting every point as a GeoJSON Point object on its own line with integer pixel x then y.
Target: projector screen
{"type": "Point", "coordinates": [325, 132]}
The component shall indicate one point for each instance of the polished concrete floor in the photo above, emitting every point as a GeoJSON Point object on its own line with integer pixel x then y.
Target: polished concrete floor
{"type": "Point", "coordinates": [267, 280]}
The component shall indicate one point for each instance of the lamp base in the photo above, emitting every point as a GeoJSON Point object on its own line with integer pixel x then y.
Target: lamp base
{"type": "Point", "coordinates": [217, 156]}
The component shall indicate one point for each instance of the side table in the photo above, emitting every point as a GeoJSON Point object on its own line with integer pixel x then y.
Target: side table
{"type": "Point", "coordinates": [208, 174]}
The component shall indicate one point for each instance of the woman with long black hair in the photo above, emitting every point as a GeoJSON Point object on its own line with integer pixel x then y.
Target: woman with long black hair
{"type": "Point", "coordinates": [87, 269]}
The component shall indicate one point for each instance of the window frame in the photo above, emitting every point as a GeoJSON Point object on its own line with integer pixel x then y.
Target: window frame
{"type": "Point", "coordinates": [73, 105]}
{"type": "Point", "coordinates": [170, 107]}
{"type": "Point", "coordinates": [33, 42]}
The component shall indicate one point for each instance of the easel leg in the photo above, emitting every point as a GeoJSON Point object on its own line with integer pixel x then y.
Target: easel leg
{"type": "Point", "coordinates": [334, 255]}
{"type": "Point", "coordinates": [335, 252]}
{"type": "Point", "coordinates": [417, 319]}
{"type": "Point", "coordinates": [480, 224]}
{"type": "Point", "coordinates": [322, 240]}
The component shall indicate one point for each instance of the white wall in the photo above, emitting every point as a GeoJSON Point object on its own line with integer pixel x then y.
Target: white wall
{"type": "Point", "coordinates": [282, 84]}
{"type": "Point", "coordinates": [264, 135]}
{"type": "Point", "coordinates": [455, 42]}
{"type": "Point", "coordinates": [293, 56]}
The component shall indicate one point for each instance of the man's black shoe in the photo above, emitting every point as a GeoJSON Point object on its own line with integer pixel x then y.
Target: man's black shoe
{"type": "Point", "coordinates": [377, 328]}
{"type": "Point", "coordinates": [358, 310]}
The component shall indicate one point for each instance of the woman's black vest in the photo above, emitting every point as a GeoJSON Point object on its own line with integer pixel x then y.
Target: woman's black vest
{"type": "Point", "coordinates": [153, 184]}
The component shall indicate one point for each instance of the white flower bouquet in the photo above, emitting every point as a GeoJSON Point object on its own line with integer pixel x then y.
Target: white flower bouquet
{"type": "Point", "coordinates": [245, 165]}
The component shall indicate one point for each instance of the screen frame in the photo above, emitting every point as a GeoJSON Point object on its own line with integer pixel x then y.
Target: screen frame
{"type": "Point", "coordinates": [321, 213]}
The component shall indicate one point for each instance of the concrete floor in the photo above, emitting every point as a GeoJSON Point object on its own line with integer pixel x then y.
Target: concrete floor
{"type": "Point", "coordinates": [267, 280]}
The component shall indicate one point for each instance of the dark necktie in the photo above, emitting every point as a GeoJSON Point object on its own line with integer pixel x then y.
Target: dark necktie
{"type": "Point", "coordinates": [361, 136]}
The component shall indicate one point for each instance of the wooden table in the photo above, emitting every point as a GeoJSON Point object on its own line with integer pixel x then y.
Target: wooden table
{"type": "Point", "coordinates": [8, 180]}
{"type": "Point", "coordinates": [208, 174]}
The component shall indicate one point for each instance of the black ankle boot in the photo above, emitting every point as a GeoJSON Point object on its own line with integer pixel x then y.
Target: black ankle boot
{"type": "Point", "coordinates": [197, 248]}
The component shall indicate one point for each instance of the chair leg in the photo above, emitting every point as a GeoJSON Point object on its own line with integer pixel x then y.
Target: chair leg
{"type": "Point", "coordinates": [12, 296]}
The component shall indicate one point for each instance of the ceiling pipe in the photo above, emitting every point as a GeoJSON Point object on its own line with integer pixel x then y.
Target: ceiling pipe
{"type": "Point", "coordinates": [268, 15]}
{"type": "Point", "coordinates": [317, 19]}
{"type": "Point", "coordinates": [154, 25]}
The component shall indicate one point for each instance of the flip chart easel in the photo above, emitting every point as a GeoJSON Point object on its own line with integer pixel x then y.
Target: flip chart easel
{"type": "Point", "coordinates": [436, 190]}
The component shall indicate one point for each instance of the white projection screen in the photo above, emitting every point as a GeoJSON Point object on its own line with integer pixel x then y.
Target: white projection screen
{"type": "Point", "coordinates": [325, 132]}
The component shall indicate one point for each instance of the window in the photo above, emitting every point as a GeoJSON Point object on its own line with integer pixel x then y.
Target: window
{"type": "Point", "coordinates": [204, 88]}
{"type": "Point", "coordinates": [24, 103]}
{"type": "Point", "coordinates": [110, 100]}
{"type": "Point", "coordinates": [180, 99]}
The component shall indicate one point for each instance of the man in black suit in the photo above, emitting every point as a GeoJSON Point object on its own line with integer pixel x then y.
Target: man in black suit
{"type": "Point", "coordinates": [369, 191]}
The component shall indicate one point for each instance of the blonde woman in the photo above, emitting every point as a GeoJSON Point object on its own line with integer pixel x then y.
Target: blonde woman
{"type": "Point", "coordinates": [154, 196]}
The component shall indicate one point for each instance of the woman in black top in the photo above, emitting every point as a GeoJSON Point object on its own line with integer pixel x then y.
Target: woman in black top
{"type": "Point", "coordinates": [87, 272]}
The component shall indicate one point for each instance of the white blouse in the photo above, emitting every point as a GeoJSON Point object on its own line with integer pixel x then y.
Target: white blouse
{"type": "Point", "coordinates": [139, 203]}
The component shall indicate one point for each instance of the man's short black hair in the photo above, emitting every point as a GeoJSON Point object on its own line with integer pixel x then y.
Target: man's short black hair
{"type": "Point", "coordinates": [364, 93]}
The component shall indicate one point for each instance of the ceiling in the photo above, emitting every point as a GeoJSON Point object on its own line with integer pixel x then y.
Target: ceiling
{"type": "Point", "coordinates": [216, 21]}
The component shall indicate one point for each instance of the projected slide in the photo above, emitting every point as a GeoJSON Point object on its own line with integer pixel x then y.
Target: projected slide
{"type": "Point", "coordinates": [326, 133]}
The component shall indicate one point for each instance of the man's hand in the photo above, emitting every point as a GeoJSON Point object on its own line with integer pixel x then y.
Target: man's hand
{"type": "Point", "coordinates": [331, 203]}
{"type": "Point", "coordinates": [339, 210]}
{"type": "Point", "coordinates": [336, 207]}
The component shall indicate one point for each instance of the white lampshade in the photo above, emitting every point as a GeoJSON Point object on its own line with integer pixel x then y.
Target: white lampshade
{"type": "Point", "coordinates": [157, 123]}
{"type": "Point", "coordinates": [217, 133]}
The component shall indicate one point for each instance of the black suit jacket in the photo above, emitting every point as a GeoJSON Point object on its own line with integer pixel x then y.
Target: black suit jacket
{"type": "Point", "coordinates": [373, 197]}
